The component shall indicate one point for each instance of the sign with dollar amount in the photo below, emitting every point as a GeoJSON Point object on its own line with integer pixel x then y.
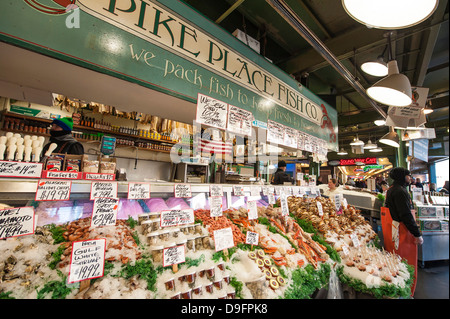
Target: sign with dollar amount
{"type": "Point", "coordinates": [53, 190]}
{"type": "Point", "coordinates": [103, 190]}
{"type": "Point", "coordinates": [104, 212]}
{"type": "Point", "coordinates": [87, 260]}
{"type": "Point", "coordinates": [16, 222]}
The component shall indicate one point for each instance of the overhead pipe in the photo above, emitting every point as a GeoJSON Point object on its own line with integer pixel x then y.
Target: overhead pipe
{"type": "Point", "coordinates": [228, 12]}
{"type": "Point", "coordinates": [294, 20]}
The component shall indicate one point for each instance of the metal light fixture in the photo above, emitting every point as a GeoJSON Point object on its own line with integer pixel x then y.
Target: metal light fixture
{"type": "Point", "coordinates": [379, 122]}
{"type": "Point", "coordinates": [356, 141]}
{"type": "Point", "coordinates": [395, 89]}
{"type": "Point", "coordinates": [376, 67]}
{"type": "Point", "coordinates": [376, 150]}
{"type": "Point", "coordinates": [370, 145]}
{"type": "Point", "coordinates": [391, 138]}
{"type": "Point", "coordinates": [342, 152]}
{"type": "Point", "coordinates": [390, 14]}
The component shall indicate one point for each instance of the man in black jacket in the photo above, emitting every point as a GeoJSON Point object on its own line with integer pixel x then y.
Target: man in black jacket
{"type": "Point", "coordinates": [61, 134]}
{"type": "Point", "coordinates": [280, 176]}
{"type": "Point", "coordinates": [399, 202]}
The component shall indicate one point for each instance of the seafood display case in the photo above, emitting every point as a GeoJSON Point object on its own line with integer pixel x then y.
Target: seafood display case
{"type": "Point", "coordinates": [203, 246]}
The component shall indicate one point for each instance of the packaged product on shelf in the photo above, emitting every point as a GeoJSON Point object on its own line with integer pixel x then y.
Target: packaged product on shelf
{"type": "Point", "coordinates": [107, 165]}
{"type": "Point", "coordinates": [73, 163]}
{"type": "Point", "coordinates": [90, 166]}
{"type": "Point", "coordinates": [55, 162]}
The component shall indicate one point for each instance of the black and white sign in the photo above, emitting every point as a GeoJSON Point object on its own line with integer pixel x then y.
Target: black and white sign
{"type": "Point", "coordinates": [252, 238]}
{"type": "Point", "coordinates": [87, 260]}
{"type": "Point", "coordinates": [215, 190]}
{"type": "Point", "coordinates": [252, 209]}
{"type": "Point", "coordinates": [174, 255]}
{"type": "Point", "coordinates": [238, 190]}
{"type": "Point", "coordinates": [16, 222]}
{"type": "Point", "coordinates": [138, 190]}
{"type": "Point", "coordinates": [20, 169]}
{"type": "Point", "coordinates": [211, 112]}
{"type": "Point", "coordinates": [216, 206]}
{"type": "Point", "coordinates": [275, 132]}
{"type": "Point", "coordinates": [223, 238]}
{"type": "Point", "coordinates": [182, 191]}
{"type": "Point", "coordinates": [103, 190]}
{"type": "Point", "coordinates": [239, 121]}
{"type": "Point", "coordinates": [53, 190]}
{"type": "Point", "coordinates": [104, 212]}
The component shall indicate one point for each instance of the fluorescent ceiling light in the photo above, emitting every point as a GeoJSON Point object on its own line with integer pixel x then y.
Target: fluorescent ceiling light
{"type": "Point", "coordinates": [375, 68]}
{"type": "Point", "coordinates": [390, 14]}
{"type": "Point", "coordinates": [390, 138]}
{"type": "Point", "coordinates": [393, 90]}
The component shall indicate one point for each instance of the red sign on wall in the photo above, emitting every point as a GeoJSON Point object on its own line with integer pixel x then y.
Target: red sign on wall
{"type": "Point", "coordinates": [353, 161]}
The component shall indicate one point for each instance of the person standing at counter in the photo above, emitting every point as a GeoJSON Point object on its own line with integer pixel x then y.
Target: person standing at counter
{"type": "Point", "coordinates": [418, 183]}
{"type": "Point", "coordinates": [445, 189]}
{"type": "Point", "coordinates": [400, 204]}
{"type": "Point", "coordinates": [332, 188]}
{"type": "Point", "coordinates": [61, 134]}
{"type": "Point", "coordinates": [280, 177]}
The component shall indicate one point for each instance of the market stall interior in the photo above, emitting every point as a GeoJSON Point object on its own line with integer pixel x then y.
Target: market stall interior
{"type": "Point", "coordinates": [183, 128]}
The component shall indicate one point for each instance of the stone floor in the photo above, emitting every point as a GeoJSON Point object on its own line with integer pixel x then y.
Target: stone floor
{"type": "Point", "coordinates": [433, 280]}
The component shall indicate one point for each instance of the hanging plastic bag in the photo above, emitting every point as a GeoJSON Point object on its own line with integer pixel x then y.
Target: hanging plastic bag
{"type": "Point", "coordinates": [334, 286]}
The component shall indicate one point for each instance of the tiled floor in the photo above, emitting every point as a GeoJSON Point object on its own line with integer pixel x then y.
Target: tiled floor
{"type": "Point", "coordinates": [433, 281]}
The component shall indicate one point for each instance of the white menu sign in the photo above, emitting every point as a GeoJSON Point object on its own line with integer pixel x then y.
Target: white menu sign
{"type": "Point", "coordinates": [16, 222]}
{"type": "Point", "coordinates": [239, 121]}
{"type": "Point", "coordinates": [211, 112]}
{"type": "Point", "coordinates": [103, 190]}
{"type": "Point", "coordinates": [104, 212]}
{"type": "Point", "coordinates": [275, 132]}
{"type": "Point", "coordinates": [53, 190]}
{"type": "Point", "coordinates": [87, 260]}
{"type": "Point", "coordinates": [223, 238]}
{"type": "Point", "coordinates": [138, 190]}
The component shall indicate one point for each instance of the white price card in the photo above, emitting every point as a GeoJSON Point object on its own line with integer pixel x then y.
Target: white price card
{"type": "Point", "coordinates": [20, 169]}
{"type": "Point", "coordinates": [238, 190]}
{"type": "Point", "coordinates": [320, 208]}
{"type": "Point", "coordinates": [271, 198]}
{"type": "Point", "coordinates": [252, 209]}
{"type": "Point", "coordinates": [337, 201]}
{"type": "Point", "coordinates": [255, 191]}
{"type": "Point", "coordinates": [182, 190]}
{"type": "Point", "coordinates": [265, 190]}
{"type": "Point", "coordinates": [223, 239]}
{"type": "Point", "coordinates": [16, 222]}
{"type": "Point", "coordinates": [186, 216]}
{"type": "Point", "coordinates": [344, 203]}
{"type": "Point", "coordinates": [53, 190]}
{"type": "Point", "coordinates": [215, 190]}
{"type": "Point", "coordinates": [345, 249]}
{"type": "Point", "coordinates": [355, 240]}
{"type": "Point", "coordinates": [103, 190]}
{"type": "Point", "coordinates": [87, 260]}
{"type": "Point", "coordinates": [104, 212]}
{"type": "Point", "coordinates": [177, 217]}
{"type": "Point", "coordinates": [174, 255]}
{"type": "Point", "coordinates": [284, 205]}
{"type": "Point", "coordinates": [252, 238]}
{"type": "Point", "coordinates": [216, 206]}
{"type": "Point", "coordinates": [211, 112]}
{"type": "Point", "coordinates": [138, 190]}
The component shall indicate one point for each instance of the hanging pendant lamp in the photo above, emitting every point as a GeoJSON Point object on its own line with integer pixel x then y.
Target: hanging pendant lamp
{"type": "Point", "coordinates": [375, 68]}
{"type": "Point", "coordinates": [342, 152]}
{"type": "Point", "coordinates": [391, 138]}
{"type": "Point", "coordinates": [390, 14]}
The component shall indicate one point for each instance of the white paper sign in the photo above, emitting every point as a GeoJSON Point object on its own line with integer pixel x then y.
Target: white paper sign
{"type": "Point", "coordinates": [211, 112]}
{"type": "Point", "coordinates": [239, 121]}
{"type": "Point", "coordinates": [238, 190]}
{"type": "Point", "coordinates": [344, 203]}
{"type": "Point", "coordinates": [87, 260]}
{"type": "Point", "coordinates": [138, 190]}
{"type": "Point", "coordinates": [252, 209]}
{"type": "Point", "coordinates": [177, 217]}
{"type": "Point", "coordinates": [103, 190]}
{"type": "Point", "coordinates": [271, 198]}
{"type": "Point", "coordinates": [337, 201]}
{"type": "Point", "coordinates": [252, 238]}
{"type": "Point", "coordinates": [320, 208]}
{"type": "Point", "coordinates": [183, 191]}
{"type": "Point", "coordinates": [215, 203]}
{"type": "Point", "coordinates": [275, 132]}
{"type": "Point", "coordinates": [174, 255]}
{"type": "Point", "coordinates": [20, 169]}
{"type": "Point", "coordinates": [104, 212]}
{"type": "Point", "coordinates": [284, 205]}
{"type": "Point", "coordinates": [265, 190]}
{"type": "Point", "coordinates": [53, 190]}
{"type": "Point", "coordinates": [16, 222]}
{"type": "Point", "coordinates": [255, 191]}
{"type": "Point", "coordinates": [215, 190]}
{"type": "Point", "coordinates": [355, 240]}
{"type": "Point", "coordinates": [223, 238]}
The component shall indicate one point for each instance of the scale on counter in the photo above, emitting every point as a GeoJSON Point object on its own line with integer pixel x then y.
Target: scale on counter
{"type": "Point", "coordinates": [108, 145]}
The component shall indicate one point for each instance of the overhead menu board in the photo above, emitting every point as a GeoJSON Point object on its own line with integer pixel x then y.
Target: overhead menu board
{"type": "Point", "coordinates": [290, 137]}
{"type": "Point", "coordinates": [239, 121]}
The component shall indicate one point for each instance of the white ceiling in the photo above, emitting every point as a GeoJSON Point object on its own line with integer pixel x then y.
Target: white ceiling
{"type": "Point", "coordinates": [33, 77]}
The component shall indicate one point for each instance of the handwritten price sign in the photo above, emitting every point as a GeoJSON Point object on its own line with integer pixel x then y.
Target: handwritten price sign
{"type": "Point", "coordinates": [215, 203]}
{"type": "Point", "coordinates": [87, 260]}
{"type": "Point", "coordinates": [183, 191]}
{"type": "Point", "coordinates": [252, 238]}
{"type": "Point", "coordinates": [223, 238]}
{"type": "Point", "coordinates": [216, 190]}
{"type": "Point", "coordinates": [16, 222]}
{"type": "Point", "coordinates": [105, 212]}
{"type": "Point", "coordinates": [177, 217]}
{"type": "Point", "coordinates": [174, 255]}
{"type": "Point", "coordinates": [51, 190]}
{"type": "Point", "coordinates": [103, 190]}
{"type": "Point", "coordinates": [138, 190]}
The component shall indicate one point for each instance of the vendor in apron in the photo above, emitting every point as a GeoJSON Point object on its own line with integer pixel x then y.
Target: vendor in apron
{"type": "Point", "coordinates": [400, 231]}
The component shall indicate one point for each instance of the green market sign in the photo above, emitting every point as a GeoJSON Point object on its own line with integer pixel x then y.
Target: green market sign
{"type": "Point", "coordinates": [370, 167]}
{"type": "Point", "coordinates": [164, 45]}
